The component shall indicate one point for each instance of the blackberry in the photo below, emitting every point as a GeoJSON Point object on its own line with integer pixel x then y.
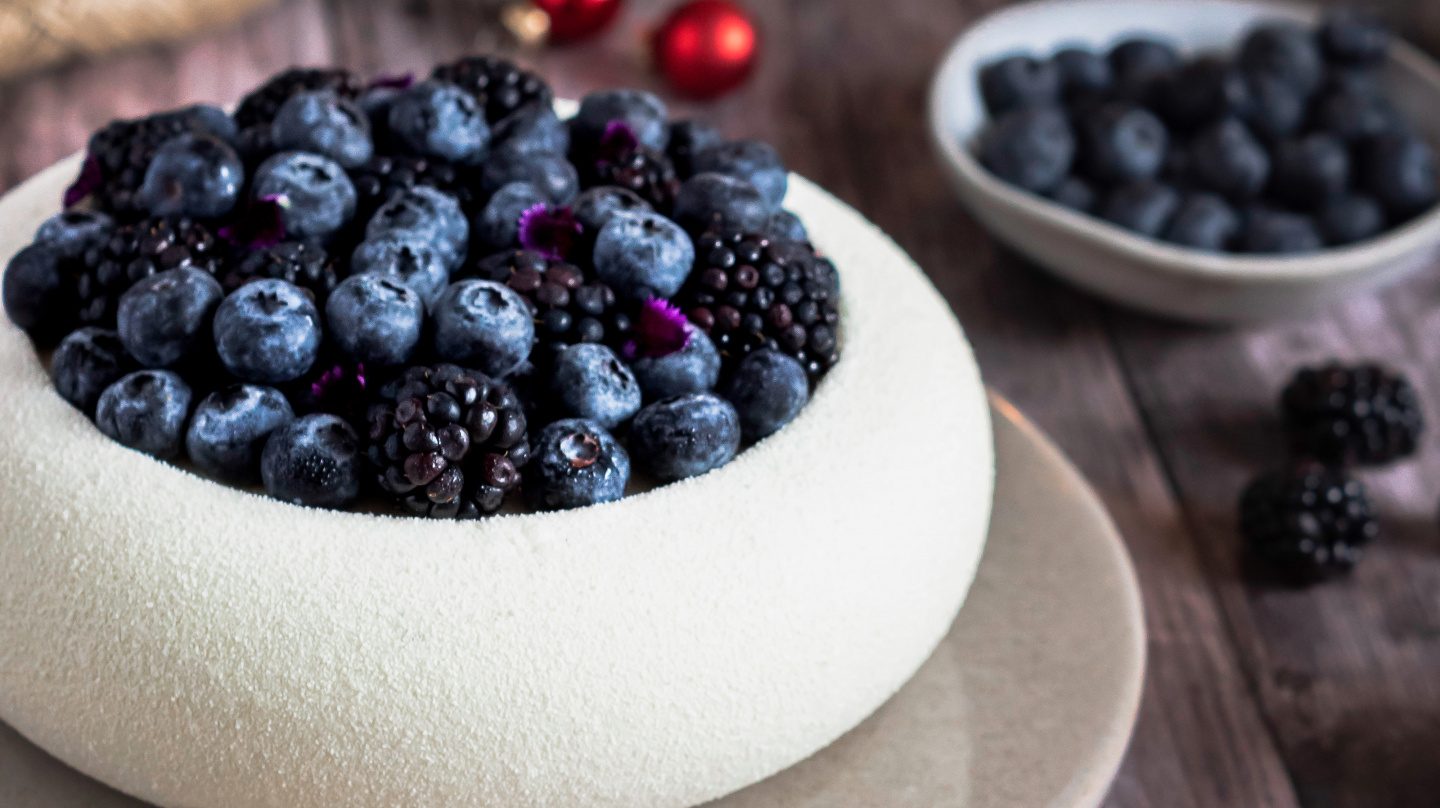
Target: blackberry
{"type": "Point", "coordinates": [569, 309]}
{"type": "Point", "coordinates": [136, 251]}
{"type": "Point", "coordinates": [1307, 520]}
{"type": "Point", "coordinates": [749, 292]}
{"type": "Point", "coordinates": [500, 86]}
{"type": "Point", "coordinates": [305, 265]}
{"type": "Point", "coordinates": [447, 442]}
{"type": "Point", "coordinates": [258, 108]}
{"type": "Point", "coordinates": [120, 154]}
{"type": "Point", "coordinates": [621, 160]}
{"type": "Point", "coordinates": [388, 174]}
{"type": "Point", "coordinates": [1363, 414]}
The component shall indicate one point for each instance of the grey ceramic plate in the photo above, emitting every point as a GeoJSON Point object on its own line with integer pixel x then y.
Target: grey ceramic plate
{"type": "Point", "coordinates": [1029, 701]}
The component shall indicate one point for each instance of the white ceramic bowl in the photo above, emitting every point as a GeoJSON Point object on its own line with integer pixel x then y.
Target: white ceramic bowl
{"type": "Point", "coordinates": [1141, 272]}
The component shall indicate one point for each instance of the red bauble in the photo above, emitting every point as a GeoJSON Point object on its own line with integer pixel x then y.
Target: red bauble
{"type": "Point", "coordinates": [573, 20]}
{"type": "Point", "coordinates": [706, 48]}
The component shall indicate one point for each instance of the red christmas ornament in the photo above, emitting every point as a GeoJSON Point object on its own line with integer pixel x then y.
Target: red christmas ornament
{"type": "Point", "coordinates": [574, 20]}
{"type": "Point", "coordinates": [706, 48]}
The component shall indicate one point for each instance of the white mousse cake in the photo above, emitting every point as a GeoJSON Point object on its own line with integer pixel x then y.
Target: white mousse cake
{"type": "Point", "coordinates": [200, 645]}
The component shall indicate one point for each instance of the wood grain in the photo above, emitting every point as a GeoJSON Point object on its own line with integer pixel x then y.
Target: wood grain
{"type": "Point", "coordinates": [1256, 696]}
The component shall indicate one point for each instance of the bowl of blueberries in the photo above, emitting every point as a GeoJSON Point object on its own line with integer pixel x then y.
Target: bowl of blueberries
{"type": "Point", "coordinates": [1218, 161]}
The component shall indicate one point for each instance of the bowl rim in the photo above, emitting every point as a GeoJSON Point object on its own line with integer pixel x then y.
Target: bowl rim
{"type": "Point", "coordinates": [1331, 263]}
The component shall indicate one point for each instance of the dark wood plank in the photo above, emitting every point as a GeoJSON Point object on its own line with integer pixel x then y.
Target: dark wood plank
{"type": "Point", "coordinates": [1345, 673]}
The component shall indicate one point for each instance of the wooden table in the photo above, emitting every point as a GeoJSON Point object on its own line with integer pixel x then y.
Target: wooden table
{"type": "Point", "coordinates": [1327, 697]}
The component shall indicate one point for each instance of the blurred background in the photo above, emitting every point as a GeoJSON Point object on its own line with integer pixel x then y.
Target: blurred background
{"type": "Point", "coordinates": [1326, 697]}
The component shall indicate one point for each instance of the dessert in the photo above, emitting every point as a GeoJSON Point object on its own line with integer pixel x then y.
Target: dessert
{"type": "Point", "coordinates": [659, 650]}
{"type": "Point", "coordinates": [1288, 145]}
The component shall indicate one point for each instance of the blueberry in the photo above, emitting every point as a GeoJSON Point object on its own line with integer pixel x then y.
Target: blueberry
{"type": "Point", "coordinates": [1120, 143]}
{"type": "Point", "coordinates": [768, 389]}
{"type": "Point", "coordinates": [321, 122]}
{"type": "Point", "coordinates": [146, 411]}
{"type": "Point", "coordinates": [85, 363]}
{"type": "Point", "coordinates": [165, 319]}
{"type": "Point", "coordinates": [575, 463]}
{"type": "Point", "coordinates": [551, 173]}
{"type": "Point", "coordinates": [484, 325]}
{"type": "Point", "coordinates": [716, 200]}
{"type": "Point", "coordinates": [193, 175]}
{"type": "Point", "coordinates": [267, 331]}
{"type": "Point", "coordinates": [644, 113]}
{"type": "Point", "coordinates": [1399, 171]}
{"type": "Point", "coordinates": [589, 381]}
{"type": "Point", "coordinates": [1202, 92]}
{"type": "Point", "coordinates": [75, 231]}
{"type": "Point", "coordinates": [314, 461]}
{"type": "Point", "coordinates": [1276, 110]}
{"type": "Point", "coordinates": [1203, 222]}
{"type": "Point", "coordinates": [685, 436]}
{"type": "Point", "coordinates": [211, 120]}
{"type": "Point", "coordinates": [688, 138]}
{"type": "Point", "coordinates": [1139, 62]}
{"type": "Point", "coordinates": [428, 214]}
{"type": "Point", "coordinates": [441, 120]}
{"type": "Point", "coordinates": [1355, 116]}
{"type": "Point", "coordinates": [642, 255]}
{"type": "Point", "coordinates": [375, 319]}
{"type": "Point", "coordinates": [228, 431]}
{"type": "Point", "coordinates": [1286, 51]}
{"type": "Point", "coordinates": [375, 103]}
{"type": "Point", "coordinates": [1227, 159]}
{"type": "Point", "coordinates": [533, 128]}
{"type": "Point", "coordinates": [1029, 148]}
{"type": "Point", "coordinates": [1084, 73]}
{"type": "Point", "coordinates": [754, 161]}
{"type": "Point", "coordinates": [404, 259]}
{"type": "Point", "coordinates": [1276, 232]}
{"type": "Point", "coordinates": [1310, 170]}
{"type": "Point", "coordinates": [595, 207]}
{"type": "Point", "coordinates": [320, 199]}
{"type": "Point", "coordinates": [498, 227]}
{"type": "Point", "coordinates": [693, 369]}
{"type": "Point", "coordinates": [1350, 218]}
{"type": "Point", "coordinates": [39, 293]}
{"type": "Point", "coordinates": [1353, 37]}
{"type": "Point", "coordinates": [1017, 82]}
{"type": "Point", "coordinates": [786, 226]}
{"type": "Point", "coordinates": [1144, 207]}
{"type": "Point", "coordinates": [1076, 194]}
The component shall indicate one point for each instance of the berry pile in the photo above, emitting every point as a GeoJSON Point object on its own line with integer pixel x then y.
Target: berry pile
{"type": "Point", "coordinates": [1311, 518]}
{"type": "Point", "coordinates": [1289, 146]}
{"type": "Point", "coordinates": [436, 294]}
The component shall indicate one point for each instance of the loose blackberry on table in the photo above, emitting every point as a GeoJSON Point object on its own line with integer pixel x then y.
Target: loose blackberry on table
{"type": "Point", "coordinates": [1307, 521]}
{"type": "Point", "coordinates": [347, 294]}
{"type": "Point", "coordinates": [1363, 414]}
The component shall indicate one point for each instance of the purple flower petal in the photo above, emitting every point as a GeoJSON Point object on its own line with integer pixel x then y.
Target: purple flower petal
{"type": "Point", "coordinates": [392, 81]}
{"type": "Point", "coordinates": [90, 179]}
{"type": "Point", "coordinates": [660, 330]}
{"type": "Point", "coordinates": [551, 231]}
{"type": "Point", "coordinates": [261, 225]}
